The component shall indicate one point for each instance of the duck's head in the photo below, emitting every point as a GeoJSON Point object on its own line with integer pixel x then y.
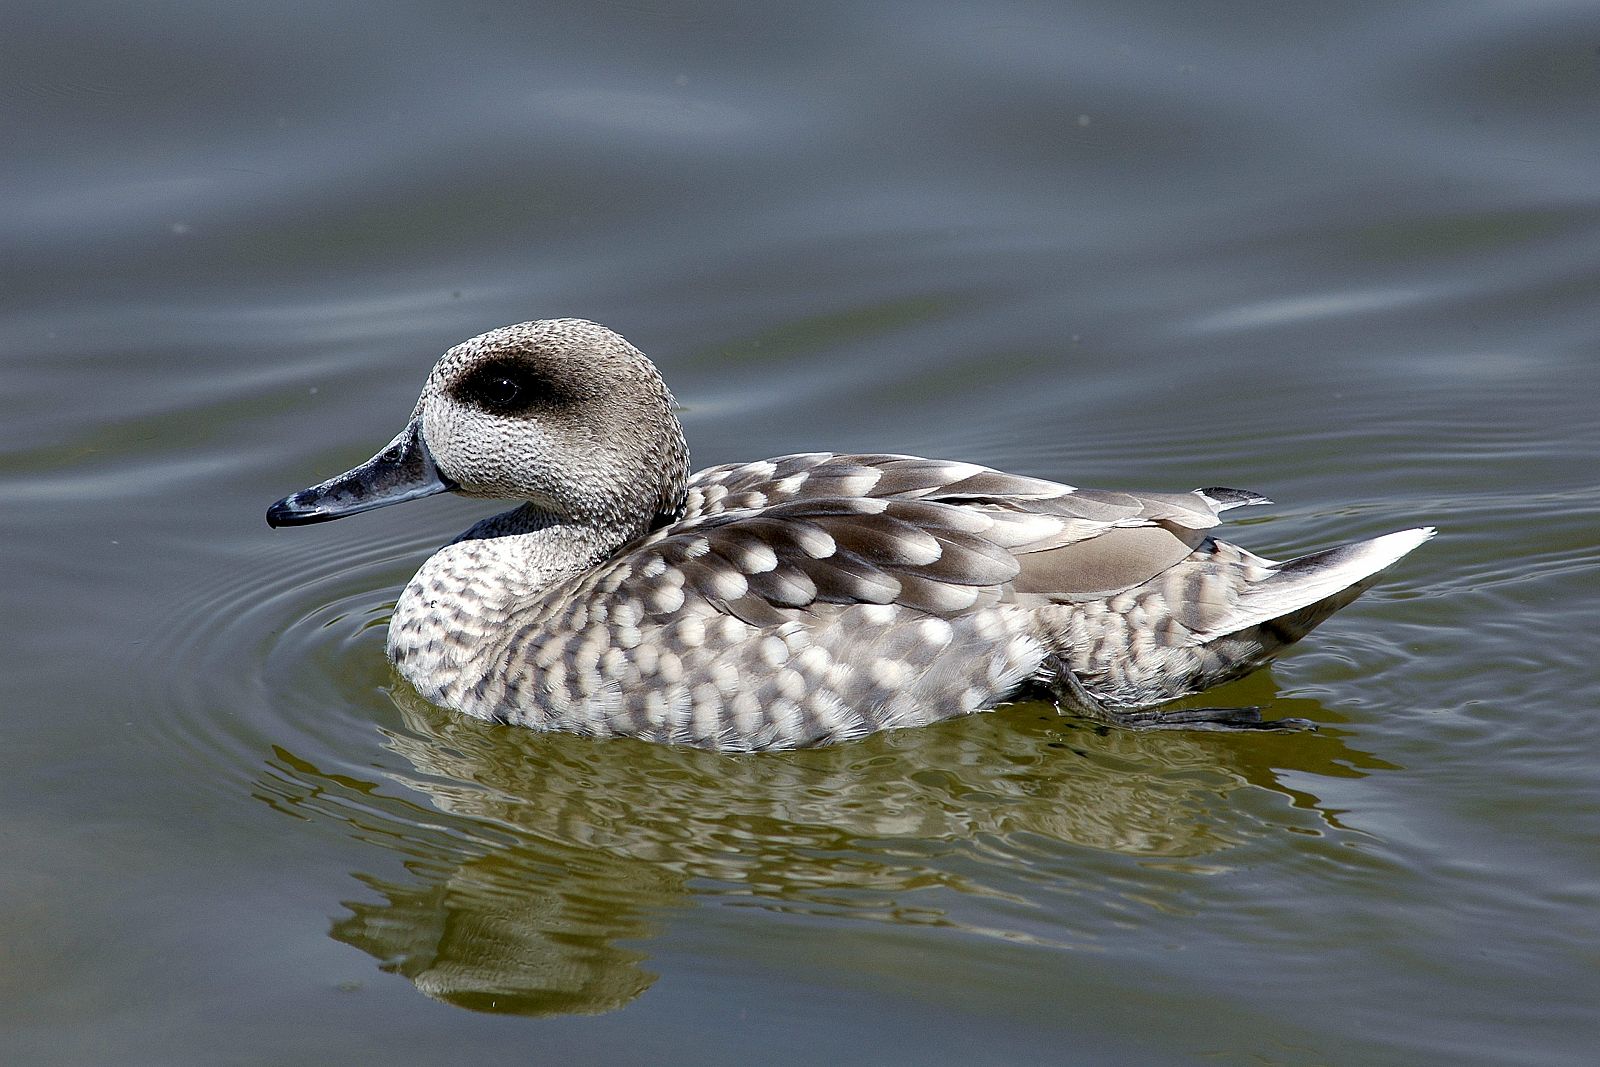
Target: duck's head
{"type": "Point", "coordinates": [561, 413]}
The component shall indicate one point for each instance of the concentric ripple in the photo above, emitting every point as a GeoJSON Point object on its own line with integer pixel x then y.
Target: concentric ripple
{"type": "Point", "coordinates": [284, 651]}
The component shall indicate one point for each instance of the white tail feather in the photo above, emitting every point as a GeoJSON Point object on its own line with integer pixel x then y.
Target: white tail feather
{"type": "Point", "coordinates": [1309, 579]}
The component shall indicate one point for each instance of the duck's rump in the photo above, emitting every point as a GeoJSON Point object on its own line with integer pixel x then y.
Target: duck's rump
{"type": "Point", "coordinates": [1215, 614]}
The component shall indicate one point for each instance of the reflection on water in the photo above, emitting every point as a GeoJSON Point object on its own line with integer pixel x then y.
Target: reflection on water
{"type": "Point", "coordinates": [520, 931]}
{"type": "Point", "coordinates": [548, 858]}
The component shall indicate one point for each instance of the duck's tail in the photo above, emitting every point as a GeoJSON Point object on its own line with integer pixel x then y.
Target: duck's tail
{"type": "Point", "coordinates": [1294, 598]}
{"type": "Point", "coordinates": [1216, 616]}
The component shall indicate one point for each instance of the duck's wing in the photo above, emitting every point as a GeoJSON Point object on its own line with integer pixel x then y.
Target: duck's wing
{"type": "Point", "coordinates": [819, 475]}
{"type": "Point", "coordinates": [763, 540]}
{"type": "Point", "coordinates": [748, 486]}
{"type": "Point", "coordinates": [764, 565]}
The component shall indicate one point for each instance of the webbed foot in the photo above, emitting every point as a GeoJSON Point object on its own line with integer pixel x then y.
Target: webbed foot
{"type": "Point", "coordinates": [1072, 694]}
{"type": "Point", "coordinates": [1202, 719]}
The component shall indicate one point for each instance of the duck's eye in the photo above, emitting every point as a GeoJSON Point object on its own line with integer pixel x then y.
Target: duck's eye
{"type": "Point", "coordinates": [500, 392]}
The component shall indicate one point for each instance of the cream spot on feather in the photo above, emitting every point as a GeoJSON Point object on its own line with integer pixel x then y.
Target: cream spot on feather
{"type": "Point", "coordinates": [935, 632]}
{"type": "Point", "coordinates": [868, 505]}
{"type": "Point", "coordinates": [690, 631]}
{"type": "Point", "coordinates": [861, 482]}
{"type": "Point", "coordinates": [795, 637]}
{"type": "Point", "coordinates": [813, 662]}
{"type": "Point", "coordinates": [665, 599]}
{"type": "Point", "coordinates": [746, 713]}
{"type": "Point", "coordinates": [919, 548]}
{"type": "Point", "coordinates": [889, 673]}
{"type": "Point", "coordinates": [728, 584]}
{"type": "Point", "coordinates": [955, 472]}
{"type": "Point", "coordinates": [814, 542]}
{"type": "Point", "coordinates": [790, 485]}
{"type": "Point", "coordinates": [790, 684]}
{"type": "Point", "coordinates": [757, 558]}
{"type": "Point", "coordinates": [726, 676]}
{"type": "Point", "coordinates": [627, 613]}
{"type": "Point", "coordinates": [707, 709]}
{"type": "Point", "coordinates": [878, 614]}
{"type": "Point", "coordinates": [613, 664]}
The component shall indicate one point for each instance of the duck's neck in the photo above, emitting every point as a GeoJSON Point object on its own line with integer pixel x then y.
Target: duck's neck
{"type": "Point", "coordinates": [455, 612]}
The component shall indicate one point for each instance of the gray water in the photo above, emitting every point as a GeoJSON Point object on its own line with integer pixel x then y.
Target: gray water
{"type": "Point", "coordinates": [1344, 255]}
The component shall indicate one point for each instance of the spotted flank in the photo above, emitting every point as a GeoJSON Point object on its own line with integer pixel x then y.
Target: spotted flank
{"type": "Point", "coordinates": [801, 600]}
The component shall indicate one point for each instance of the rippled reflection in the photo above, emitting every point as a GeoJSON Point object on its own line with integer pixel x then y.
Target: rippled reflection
{"type": "Point", "coordinates": [523, 930]}
{"type": "Point", "coordinates": [540, 863]}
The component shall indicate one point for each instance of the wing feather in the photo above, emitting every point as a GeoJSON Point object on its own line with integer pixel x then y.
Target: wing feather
{"type": "Point", "coordinates": [764, 540]}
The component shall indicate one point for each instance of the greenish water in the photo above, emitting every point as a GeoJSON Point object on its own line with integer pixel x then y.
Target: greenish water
{"type": "Point", "coordinates": [1344, 256]}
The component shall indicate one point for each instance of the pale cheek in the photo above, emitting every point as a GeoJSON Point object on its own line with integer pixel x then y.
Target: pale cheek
{"type": "Point", "coordinates": [456, 442]}
{"type": "Point", "coordinates": [506, 458]}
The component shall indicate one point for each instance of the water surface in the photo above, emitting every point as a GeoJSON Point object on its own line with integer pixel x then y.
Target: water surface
{"type": "Point", "coordinates": [1345, 257]}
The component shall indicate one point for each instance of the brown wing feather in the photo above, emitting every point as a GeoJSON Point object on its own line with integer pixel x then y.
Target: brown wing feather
{"type": "Point", "coordinates": [1118, 558]}
{"type": "Point", "coordinates": [762, 565]}
{"type": "Point", "coordinates": [872, 528]}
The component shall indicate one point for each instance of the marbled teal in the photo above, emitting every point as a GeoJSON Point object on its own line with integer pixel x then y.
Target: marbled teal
{"type": "Point", "coordinates": [801, 600]}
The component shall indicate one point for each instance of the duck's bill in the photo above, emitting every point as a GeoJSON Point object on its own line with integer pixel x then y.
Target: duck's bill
{"type": "Point", "coordinates": [403, 471]}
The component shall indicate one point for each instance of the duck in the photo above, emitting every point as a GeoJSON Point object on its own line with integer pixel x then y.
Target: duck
{"type": "Point", "coordinates": [802, 600]}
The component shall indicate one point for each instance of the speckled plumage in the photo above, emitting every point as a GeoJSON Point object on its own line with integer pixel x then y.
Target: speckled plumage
{"type": "Point", "coordinates": [794, 601]}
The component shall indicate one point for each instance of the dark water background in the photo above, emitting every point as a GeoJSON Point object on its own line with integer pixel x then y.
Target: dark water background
{"type": "Point", "coordinates": [1347, 255]}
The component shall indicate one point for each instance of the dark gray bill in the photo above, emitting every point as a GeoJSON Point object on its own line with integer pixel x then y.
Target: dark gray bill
{"type": "Point", "coordinates": [403, 471]}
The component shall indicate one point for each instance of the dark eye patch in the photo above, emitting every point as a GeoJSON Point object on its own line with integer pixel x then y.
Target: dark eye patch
{"type": "Point", "coordinates": [508, 387]}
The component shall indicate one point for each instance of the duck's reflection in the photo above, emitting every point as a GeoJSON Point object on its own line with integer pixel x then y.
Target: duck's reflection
{"type": "Point", "coordinates": [515, 931]}
{"type": "Point", "coordinates": [548, 860]}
